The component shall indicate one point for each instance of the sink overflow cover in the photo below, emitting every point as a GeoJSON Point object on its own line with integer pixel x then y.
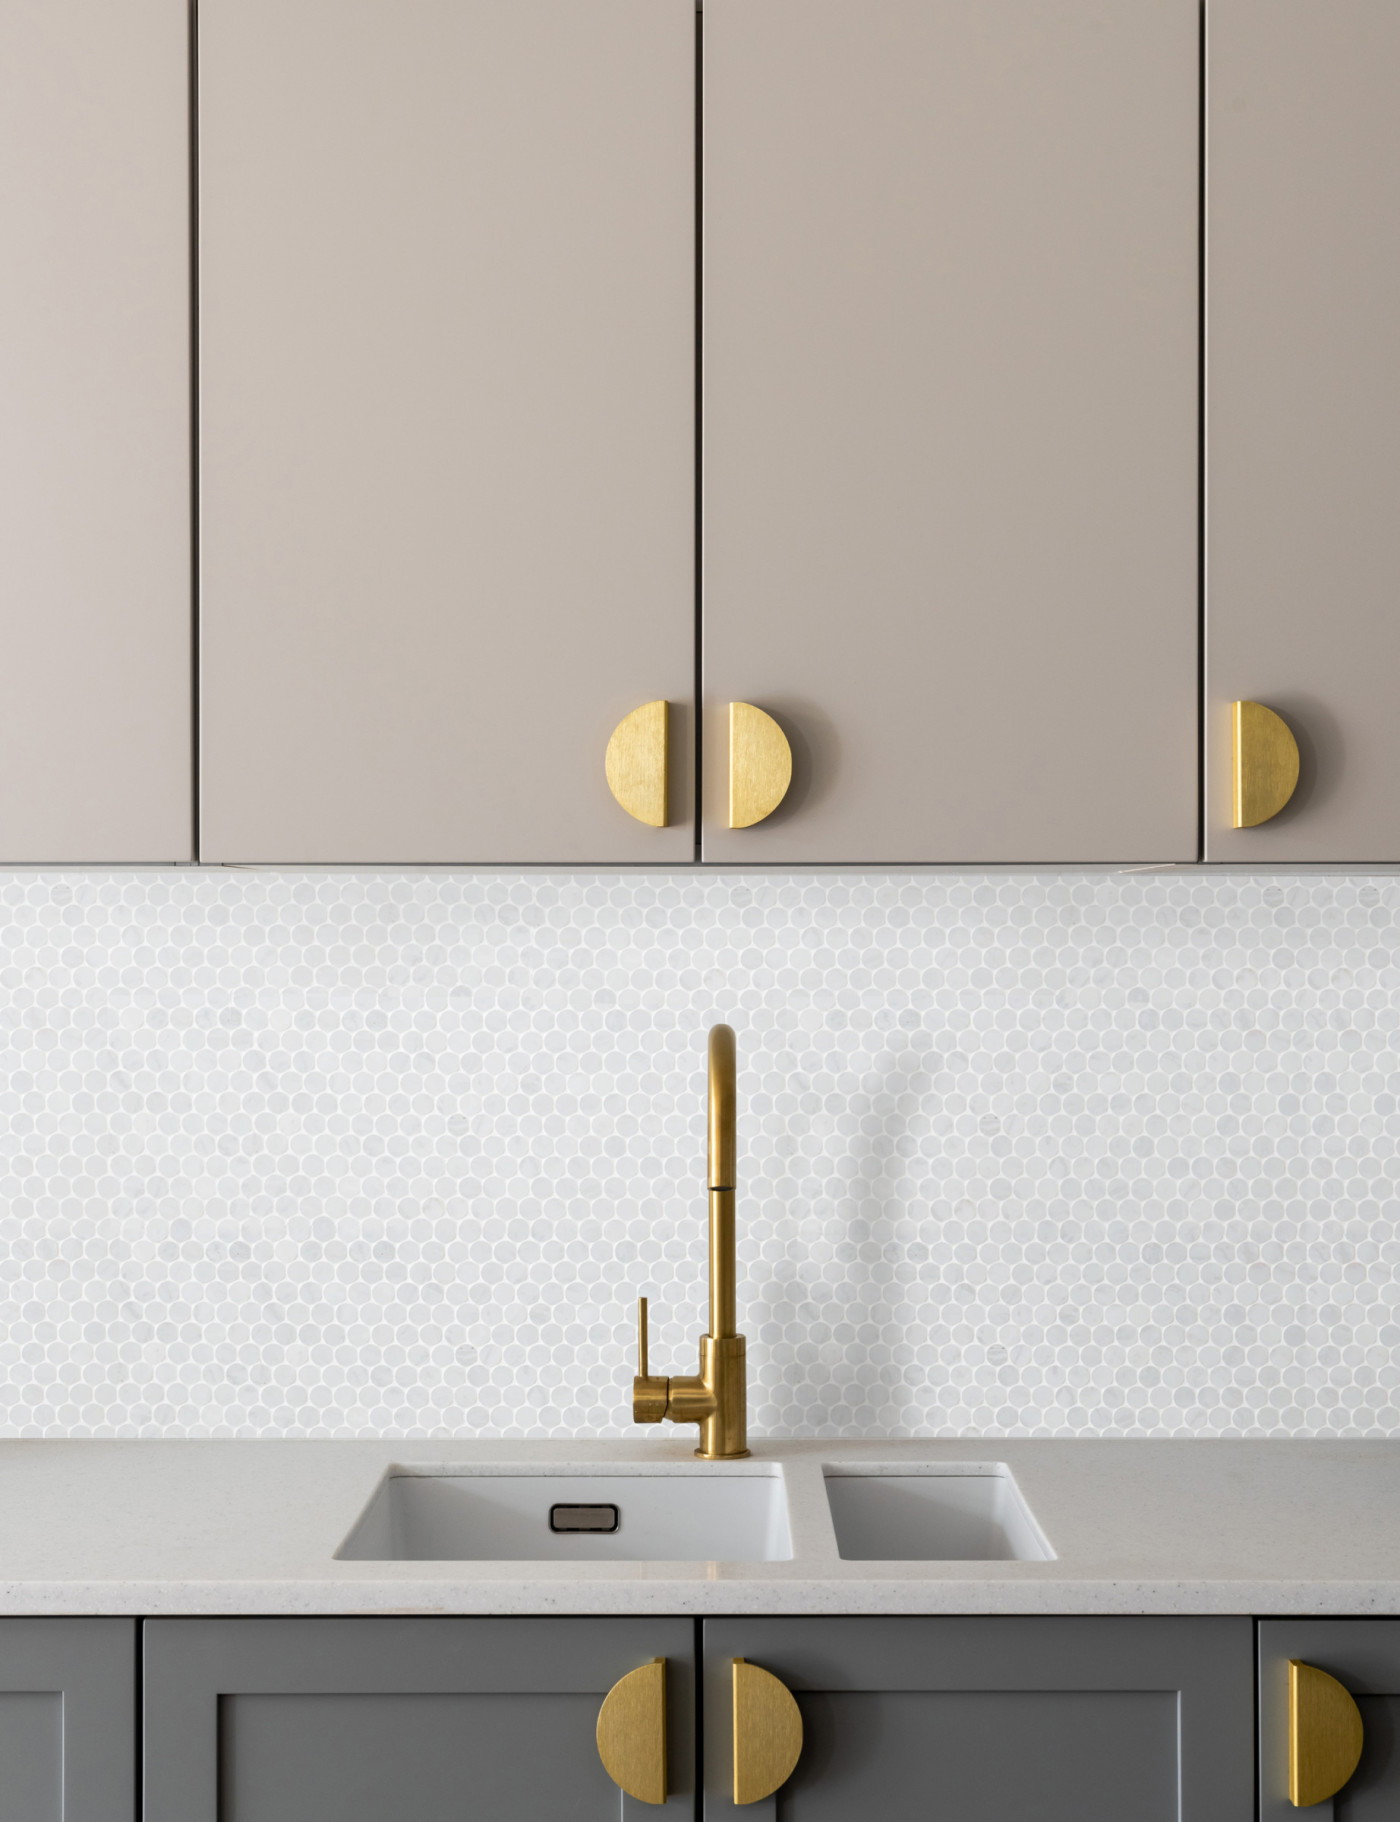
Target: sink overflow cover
{"type": "Point", "coordinates": [584, 1518]}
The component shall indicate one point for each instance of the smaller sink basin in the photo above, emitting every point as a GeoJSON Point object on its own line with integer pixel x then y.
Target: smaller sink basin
{"type": "Point", "coordinates": [674, 1513]}
{"type": "Point", "coordinates": [951, 1512]}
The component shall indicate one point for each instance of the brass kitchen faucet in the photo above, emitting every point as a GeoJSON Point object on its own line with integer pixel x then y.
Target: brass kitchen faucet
{"type": "Point", "coordinates": [716, 1397]}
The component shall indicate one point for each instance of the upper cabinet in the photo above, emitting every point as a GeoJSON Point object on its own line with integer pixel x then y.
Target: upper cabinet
{"type": "Point", "coordinates": [950, 425]}
{"type": "Point", "coordinates": [446, 428]}
{"type": "Point", "coordinates": [94, 431]}
{"type": "Point", "coordinates": [1303, 415]}
{"type": "Point", "coordinates": [946, 393]}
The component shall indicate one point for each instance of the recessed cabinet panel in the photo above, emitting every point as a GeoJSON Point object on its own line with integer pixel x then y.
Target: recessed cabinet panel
{"type": "Point", "coordinates": [361, 1757]}
{"type": "Point", "coordinates": [446, 424]}
{"type": "Point", "coordinates": [1303, 416]}
{"type": "Point", "coordinates": [95, 746]}
{"type": "Point", "coordinates": [951, 425]}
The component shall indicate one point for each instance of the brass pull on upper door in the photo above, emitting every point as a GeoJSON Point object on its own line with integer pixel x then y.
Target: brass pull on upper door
{"type": "Point", "coordinates": [1324, 1735]}
{"type": "Point", "coordinates": [637, 763]}
{"type": "Point", "coordinates": [1266, 763]}
{"type": "Point", "coordinates": [767, 1733]}
{"type": "Point", "coordinates": [632, 1732]}
{"type": "Point", "coordinates": [760, 765]}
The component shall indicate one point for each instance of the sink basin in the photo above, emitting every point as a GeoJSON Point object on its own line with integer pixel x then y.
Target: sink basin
{"type": "Point", "coordinates": [671, 1514]}
{"type": "Point", "coordinates": [945, 1513]}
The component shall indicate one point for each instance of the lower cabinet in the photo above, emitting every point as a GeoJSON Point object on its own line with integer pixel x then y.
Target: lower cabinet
{"type": "Point", "coordinates": [986, 1719]}
{"type": "Point", "coordinates": [1356, 1704]}
{"type": "Point", "coordinates": [993, 1719]}
{"type": "Point", "coordinates": [67, 1720]}
{"type": "Point", "coordinates": [437, 1720]}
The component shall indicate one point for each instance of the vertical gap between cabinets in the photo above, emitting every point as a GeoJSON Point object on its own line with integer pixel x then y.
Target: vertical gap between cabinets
{"type": "Point", "coordinates": [699, 1662]}
{"type": "Point", "coordinates": [1258, 1694]}
{"type": "Point", "coordinates": [1202, 246]}
{"type": "Point", "coordinates": [139, 1756]}
{"type": "Point", "coordinates": [193, 17]}
{"type": "Point", "coordinates": [699, 688]}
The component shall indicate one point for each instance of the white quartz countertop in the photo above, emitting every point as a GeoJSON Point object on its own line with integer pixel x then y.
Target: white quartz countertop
{"type": "Point", "coordinates": [1138, 1527]}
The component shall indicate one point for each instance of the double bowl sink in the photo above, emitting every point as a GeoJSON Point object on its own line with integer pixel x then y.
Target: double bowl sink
{"type": "Point", "coordinates": [687, 1512]}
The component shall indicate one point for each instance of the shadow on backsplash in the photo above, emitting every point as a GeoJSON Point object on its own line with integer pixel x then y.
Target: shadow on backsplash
{"type": "Point", "coordinates": [357, 1154]}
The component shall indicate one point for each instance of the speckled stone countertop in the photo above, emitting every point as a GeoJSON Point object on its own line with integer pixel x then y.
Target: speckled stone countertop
{"type": "Point", "coordinates": [1137, 1527]}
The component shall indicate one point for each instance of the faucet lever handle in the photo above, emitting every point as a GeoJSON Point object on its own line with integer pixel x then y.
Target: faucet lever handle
{"type": "Point", "coordinates": [650, 1397]}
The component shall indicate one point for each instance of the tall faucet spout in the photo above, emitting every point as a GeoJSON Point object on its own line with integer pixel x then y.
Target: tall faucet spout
{"type": "Point", "coordinates": [723, 1144]}
{"type": "Point", "coordinates": [724, 1103]}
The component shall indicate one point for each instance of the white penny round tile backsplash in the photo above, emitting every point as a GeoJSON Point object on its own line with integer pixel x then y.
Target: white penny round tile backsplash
{"type": "Point", "coordinates": [355, 1154]}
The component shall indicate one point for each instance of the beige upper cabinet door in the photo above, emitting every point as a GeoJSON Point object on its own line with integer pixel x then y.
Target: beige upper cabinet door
{"type": "Point", "coordinates": [1303, 416]}
{"type": "Point", "coordinates": [95, 744]}
{"type": "Point", "coordinates": [950, 409]}
{"type": "Point", "coordinates": [446, 424]}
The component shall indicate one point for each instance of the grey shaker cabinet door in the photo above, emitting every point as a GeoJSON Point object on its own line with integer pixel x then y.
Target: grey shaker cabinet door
{"type": "Point", "coordinates": [1303, 415]}
{"type": "Point", "coordinates": [67, 1720]}
{"type": "Point", "coordinates": [996, 1719]}
{"type": "Point", "coordinates": [447, 379]}
{"type": "Point", "coordinates": [95, 740]}
{"type": "Point", "coordinates": [438, 1720]}
{"type": "Point", "coordinates": [950, 378]}
{"type": "Point", "coordinates": [1364, 1656]}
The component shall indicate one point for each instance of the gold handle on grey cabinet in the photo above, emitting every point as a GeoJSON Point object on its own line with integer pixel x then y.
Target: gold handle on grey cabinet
{"type": "Point", "coordinates": [1266, 763]}
{"type": "Point", "coordinates": [632, 1732]}
{"type": "Point", "coordinates": [1325, 1735]}
{"type": "Point", "coordinates": [767, 1733]}
{"type": "Point", "coordinates": [637, 763]}
{"type": "Point", "coordinates": [760, 765]}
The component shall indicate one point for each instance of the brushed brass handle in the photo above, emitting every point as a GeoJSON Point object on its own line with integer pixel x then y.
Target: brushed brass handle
{"type": "Point", "coordinates": [1266, 763]}
{"type": "Point", "coordinates": [760, 765]}
{"type": "Point", "coordinates": [650, 1394]}
{"type": "Point", "coordinates": [632, 1732]}
{"type": "Point", "coordinates": [637, 763]}
{"type": "Point", "coordinates": [1325, 1735]}
{"type": "Point", "coordinates": [767, 1733]}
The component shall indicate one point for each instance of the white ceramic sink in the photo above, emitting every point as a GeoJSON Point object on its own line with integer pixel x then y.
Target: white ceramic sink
{"type": "Point", "coordinates": [675, 1513]}
{"type": "Point", "coordinates": [948, 1513]}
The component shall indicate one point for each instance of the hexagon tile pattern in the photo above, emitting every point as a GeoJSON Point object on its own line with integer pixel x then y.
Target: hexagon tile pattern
{"type": "Point", "coordinates": [390, 1154]}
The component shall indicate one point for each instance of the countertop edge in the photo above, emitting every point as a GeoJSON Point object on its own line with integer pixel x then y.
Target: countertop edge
{"type": "Point", "coordinates": [154, 1600]}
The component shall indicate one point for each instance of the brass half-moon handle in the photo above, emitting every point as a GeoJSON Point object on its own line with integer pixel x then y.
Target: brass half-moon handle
{"type": "Point", "coordinates": [1325, 1735]}
{"type": "Point", "coordinates": [1266, 763]}
{"type": "Point", "coordinates": [637, 763]}
{"type": "Point", "coordinates": [760, 765]}
{"type": "Point", "coordinates": [767, 1733]}
{"type": "Point", "coordinates": [632, 1732]}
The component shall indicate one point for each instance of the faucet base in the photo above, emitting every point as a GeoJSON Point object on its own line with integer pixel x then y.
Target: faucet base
{"type": "Point", "coordinates": [714, 1398]}
{"type": "Point", "coordinates": [724, 1433]}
